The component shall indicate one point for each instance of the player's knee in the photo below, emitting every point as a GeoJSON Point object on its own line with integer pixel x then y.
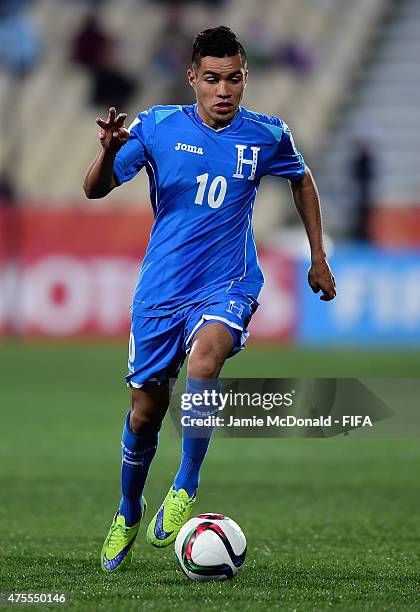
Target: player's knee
{"type": "Point", "coordinates": [144, 419]}
{"type": "Point", "coordinates": [143, 423]}
{"type": "Point", "coordinates": [204, 363]}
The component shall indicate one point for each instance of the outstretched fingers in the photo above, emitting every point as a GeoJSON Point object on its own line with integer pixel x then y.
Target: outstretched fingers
{"type": "Point", "coordinates": [119, 122]}
{"type": "Point", "coordinates": [102, 124]}
{"type": "Point", "coordinates": [113, 121]}
{"type": "Point", "coordinates": [111, 115]}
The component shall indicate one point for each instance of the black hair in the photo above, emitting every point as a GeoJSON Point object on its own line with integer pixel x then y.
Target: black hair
{"type": "Point", "coordinates": [217, 42]}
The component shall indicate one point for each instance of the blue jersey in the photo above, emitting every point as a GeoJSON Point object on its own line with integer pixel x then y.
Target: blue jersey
{"type": "Point", "coordinates": [203, 184]}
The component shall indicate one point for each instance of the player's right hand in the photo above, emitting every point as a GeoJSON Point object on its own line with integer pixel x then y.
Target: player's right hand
{"type": "Point", "coordinates": [112, 132]}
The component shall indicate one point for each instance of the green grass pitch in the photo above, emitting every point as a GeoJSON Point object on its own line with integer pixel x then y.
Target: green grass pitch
{"type": "Point", "coordinates": [330, 524]}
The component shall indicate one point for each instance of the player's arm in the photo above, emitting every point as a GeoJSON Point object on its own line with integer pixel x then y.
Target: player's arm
{"type": "Point", "coordinates": [99, 179]}
{"type": "Point", "coordinates": [306, 199]}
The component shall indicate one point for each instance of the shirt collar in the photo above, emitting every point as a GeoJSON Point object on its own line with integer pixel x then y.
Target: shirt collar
{"type": "Point", "coordinates": [232, 124]}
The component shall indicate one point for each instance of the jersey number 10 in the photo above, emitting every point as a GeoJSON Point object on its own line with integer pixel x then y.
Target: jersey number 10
{"type": "Point", "coordinates": [218, 186]}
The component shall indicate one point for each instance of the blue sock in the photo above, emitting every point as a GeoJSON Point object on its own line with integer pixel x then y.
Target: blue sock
{"type": "Point", "coordinates": [137, 455]}
{"type": "Point", "coordinates": [195, 441]}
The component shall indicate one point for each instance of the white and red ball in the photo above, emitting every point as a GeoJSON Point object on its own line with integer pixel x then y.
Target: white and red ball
{"type": "Point", "coordinates": [211, 547]}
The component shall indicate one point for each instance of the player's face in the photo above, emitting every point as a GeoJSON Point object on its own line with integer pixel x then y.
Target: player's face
{"type": "Point", "coordinates": [219, 84]}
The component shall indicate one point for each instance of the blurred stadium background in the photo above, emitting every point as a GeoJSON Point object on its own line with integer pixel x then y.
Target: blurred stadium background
{"type": "Point", "coordinates": [345, 77]}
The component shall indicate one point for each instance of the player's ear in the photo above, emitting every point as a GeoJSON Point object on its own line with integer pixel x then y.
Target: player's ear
{"type": "Point", "coordinates": [192, 77]}
{"type": "Point", "coordinates": [246, 77]}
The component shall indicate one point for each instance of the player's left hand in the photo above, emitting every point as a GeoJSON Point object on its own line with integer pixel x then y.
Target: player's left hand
{"type": "Point", "coordinates": [320, 278]}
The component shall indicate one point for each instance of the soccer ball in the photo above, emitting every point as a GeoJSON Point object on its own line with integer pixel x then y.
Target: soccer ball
{"type": "Point", "coordinates": [211, 547]}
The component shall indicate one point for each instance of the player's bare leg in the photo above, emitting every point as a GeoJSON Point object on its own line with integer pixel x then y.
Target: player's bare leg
{"type": "Point", "coordinates": [139, 443]}
{"type": "Point", "coordinates": [211, 345]}
{"type": "Point", "coordinates": [148, 408]}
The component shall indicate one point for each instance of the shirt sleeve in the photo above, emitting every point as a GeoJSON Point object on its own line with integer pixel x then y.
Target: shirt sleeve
{"type": "Point", "coordinates": [287, 161]}
{"type": "Point", "coordinates": [132, 156]}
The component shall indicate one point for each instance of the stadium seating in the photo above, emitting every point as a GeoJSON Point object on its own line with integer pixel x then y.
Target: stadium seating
{"type": "Point", "coordinates": [56, 127]}
{"type": "Point", "coordinates": [383, 109]}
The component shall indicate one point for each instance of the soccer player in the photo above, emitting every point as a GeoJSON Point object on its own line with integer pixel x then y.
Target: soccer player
{"type": "Point", "coordinates": [200, 278]}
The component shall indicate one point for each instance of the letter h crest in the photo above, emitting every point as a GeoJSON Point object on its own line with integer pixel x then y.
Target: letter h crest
{"type": "Point", "coordinates": [251, 162]}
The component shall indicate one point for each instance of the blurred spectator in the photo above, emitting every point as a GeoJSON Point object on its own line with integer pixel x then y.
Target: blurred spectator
{"type": "Point", "coordinates": [264, 50]}
{"type": "Point", "coordinates": [7, 7]}
{"type": "Point", "coordinates": [94, 49]}
{"type": "Point", "coordinates": [297, 56]}
{"type": "Point", "coordinates": [7, 190]}
{"type": "Point", "coordinates": [363, 172]}
{"type": "Point", "coordinates": [20, 46]}
{"type": "Point", "coordinates": [172, 56]}
{"type": "Point", "coordinates": [111, 87]}
{"type": "Point", "coordinates": [91, 42]}
{"type": "Point", "coordinates": [260, 44]}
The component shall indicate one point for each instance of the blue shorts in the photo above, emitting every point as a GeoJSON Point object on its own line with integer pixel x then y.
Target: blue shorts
{"type": "Point", "coordinates": [158, 345]}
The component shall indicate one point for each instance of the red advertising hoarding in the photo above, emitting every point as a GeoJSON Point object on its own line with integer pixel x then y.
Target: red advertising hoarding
{"type": "Point", "coordinates": [72, 272]}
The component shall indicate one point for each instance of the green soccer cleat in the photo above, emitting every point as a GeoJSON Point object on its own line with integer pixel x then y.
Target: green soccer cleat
{"type": "Point", "coordinates": [117, 550]}
{"type": "Point", "coordinates": [171, 516]}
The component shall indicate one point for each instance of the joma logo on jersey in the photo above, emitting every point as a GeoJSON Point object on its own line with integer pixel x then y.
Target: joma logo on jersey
{"type": "Point", "coordinates": [242, 162]}
{"type": "Point", "coordinates": [180, 146]}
